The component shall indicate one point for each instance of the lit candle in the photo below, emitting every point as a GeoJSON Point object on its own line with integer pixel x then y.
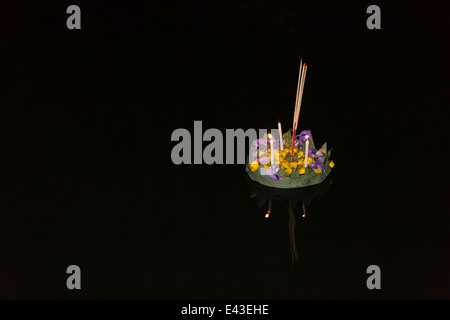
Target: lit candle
{"type": "Point", "coordinates": [281, 135]}
{"type": "Point", "coordinates": [271, 149]}
{"type": "Point", "coordinates": [306, 150]}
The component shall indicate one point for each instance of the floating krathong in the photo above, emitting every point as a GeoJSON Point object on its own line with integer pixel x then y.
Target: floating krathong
{"type": "Point", "coordinates": [291, 161]}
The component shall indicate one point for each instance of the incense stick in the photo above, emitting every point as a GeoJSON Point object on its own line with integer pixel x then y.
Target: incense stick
{"type": "Point", "coordinates": [298, 90]}
{"type": "Point", "coordinates": [296, 109]}
{"type": "Point", "coordinates": [301, 95]}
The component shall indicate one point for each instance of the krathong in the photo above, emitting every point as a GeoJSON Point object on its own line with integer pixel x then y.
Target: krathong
{"type": "Point", "coordinates": [291, 161]}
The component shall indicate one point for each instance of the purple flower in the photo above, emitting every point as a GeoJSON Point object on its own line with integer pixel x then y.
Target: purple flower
{"type": "Point", "coordinates": [303, 135]}
{"type": "Point", "coordinates": [312, 152]}
{"type": "Point", "coordinates": [276, 143]}
{"type": "Point", "coordinates": [320, 153]}
{"type": "Point", "coordinates": [319, 166]}
{"type": "Point", "coordinates": [320, 159]}
{"type": "Point", "coordinates": [273, 176]}
{"type": "Point", "coordinates": [313, 165]}
{"type": "Point", "coordinates": [301, 138]}
{"type": "Point", "coordinates": [259, 143]}
{"type": "Point", "coordinates": [263, 160]}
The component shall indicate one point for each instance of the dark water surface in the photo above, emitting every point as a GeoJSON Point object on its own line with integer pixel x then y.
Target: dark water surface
{"type": "Point", "coordinates": [87, 177]}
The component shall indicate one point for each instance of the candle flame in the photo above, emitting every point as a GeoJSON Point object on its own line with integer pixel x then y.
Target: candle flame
{"type": "Point", "coordinates": [267, 214]}
{"type": "Point", "coordinates": [307, 137]}
{"type": "Point", "coordinates": [270, 136]}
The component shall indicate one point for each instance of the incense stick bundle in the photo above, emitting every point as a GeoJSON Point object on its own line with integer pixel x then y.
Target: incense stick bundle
{"type": "Point", "coordinates": [298, 91]}
{"type": "Point", "coordinates": [298, 102]}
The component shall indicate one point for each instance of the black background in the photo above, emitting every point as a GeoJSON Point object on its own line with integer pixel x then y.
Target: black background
{"type": "Point", "coordinates": [87, 178]}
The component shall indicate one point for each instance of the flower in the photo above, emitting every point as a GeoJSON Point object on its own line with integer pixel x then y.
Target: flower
{"type": "Point", "coordinates": [276, 143]}
{"type": "Point", "coordinates": [263, 160]}
{"type": "Point", "coordinates": [293, 164]}
{"type": "Point", "coordinates": [301, 138]}
{"type": "Point", "coordinates": [320, 156]}
{"type": "Point", "coordinates": [254, 166]}
{"type": "Point", "coordinates": [320, 160]}
{"type": "Point", "coordinates": [284, 164]}
{"type": "Point", "coordinates": [288, 171]}
{"type": "Point", "coordinates": [271, 174]}
{"type": "Point", "coordinates": [260, 144]}
{"type": "Point", "coordinates": [261, 155]}
{"type": "Point", "coordinates": [312, 164]}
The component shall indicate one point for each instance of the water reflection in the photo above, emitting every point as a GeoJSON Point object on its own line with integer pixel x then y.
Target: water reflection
{"type": "Point", "coordinates": [299, 201]}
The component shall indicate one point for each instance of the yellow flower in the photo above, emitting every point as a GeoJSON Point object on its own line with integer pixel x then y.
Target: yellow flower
{"type": "Point", "coordinates": [288, 171]}
{"type": "Point", "coordinates": [254, 166]}
{"type": "Point", "coordinates": [267, 165]}
{"type": "Point", "coordinates": [284, 164]}
{"type": "Point", "coordinates": [261, 153]}
{"type": "Point", "coordinates": [310, 160]}
{"type": "Point", "coordinates": [331, 164]}
{"type": "Point", "coordinates": [293, 164]}
{"type": "Point", "coordinates": [317, 170]}
{"type": "Point", "coordinates": [295, 150]}
{"type": "Point", "coordinates": [301, 154]}
{"type": "Point", "coordinates": [302, 170]}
